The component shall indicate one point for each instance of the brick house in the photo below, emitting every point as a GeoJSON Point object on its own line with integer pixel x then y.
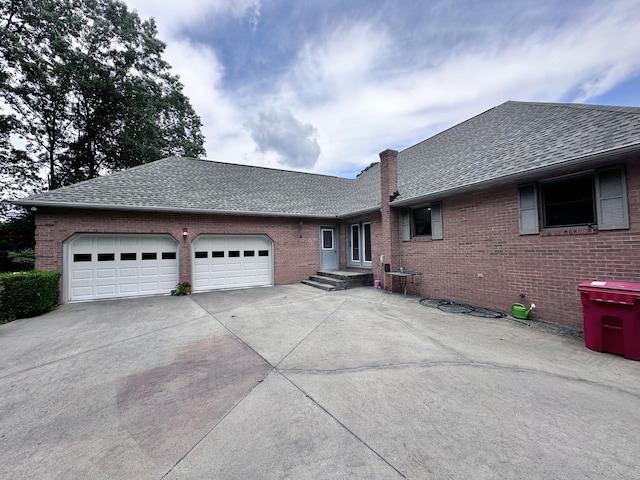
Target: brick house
{"type": "Point", "coordinates": [525, 198]}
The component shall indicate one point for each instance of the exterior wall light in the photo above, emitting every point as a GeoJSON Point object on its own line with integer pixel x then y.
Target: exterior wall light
{"type": "Point", "coordinates": [185, 233]}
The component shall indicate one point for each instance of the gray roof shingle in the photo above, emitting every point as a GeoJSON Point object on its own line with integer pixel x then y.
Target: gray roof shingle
{"type": "Point", "coordinates": [188, 184]}
{"type": "Point", "coordinates": [512, 139]}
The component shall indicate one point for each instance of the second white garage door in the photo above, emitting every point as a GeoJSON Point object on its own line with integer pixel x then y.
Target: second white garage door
{"type": "Point", "coordinates": [231, 261]}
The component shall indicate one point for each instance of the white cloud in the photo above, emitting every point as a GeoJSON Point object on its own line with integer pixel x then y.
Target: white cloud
{"type": "Point", "coordinates": [172, 16]}
{"type": "Point", "coordinates": [278, 131]}
{"type": "Point", "coordinates": [365, 86]}
{"type": "Point", "coordinates": [371, 108]}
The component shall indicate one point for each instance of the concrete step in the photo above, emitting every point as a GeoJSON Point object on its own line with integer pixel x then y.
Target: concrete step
{"type": "Point", "coordinates": [330, 280]}
{"type": "Point", "coordinates": [351, 279]}
{"type": "Point", "coordinates": [322, 286]}
{"type": "Point", "coordinates": [336, 282]}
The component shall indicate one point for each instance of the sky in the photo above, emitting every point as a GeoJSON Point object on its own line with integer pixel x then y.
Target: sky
{"type": "Point", "coordinates": [323, 86]}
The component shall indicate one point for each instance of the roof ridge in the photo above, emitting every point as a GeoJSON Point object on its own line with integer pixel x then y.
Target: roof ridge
{"type": "Point", "coordinates": [578, 106]}
{"type": "Point", "coordinates": [285, 170]}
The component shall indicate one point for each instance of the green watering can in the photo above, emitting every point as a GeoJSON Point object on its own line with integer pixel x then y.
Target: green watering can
{"type": "Point", "coordinates": [520, 311]}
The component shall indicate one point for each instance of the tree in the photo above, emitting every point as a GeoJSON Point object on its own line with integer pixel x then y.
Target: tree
{"type": "Point", "coordinates": [18, 174]}
{"type": "Point", "coordinates": [17, 241]}
{"type": "Point", "coordinates": [372, 164]}
{"type": "Point", "coordinates": [86, 86]}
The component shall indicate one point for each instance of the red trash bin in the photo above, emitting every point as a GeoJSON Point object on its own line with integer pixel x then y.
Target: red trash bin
{"type": "Point", "coordinates": [611, 313]}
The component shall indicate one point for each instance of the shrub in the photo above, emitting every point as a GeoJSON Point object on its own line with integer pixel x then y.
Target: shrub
{"type": "Point", "coordinates": [182, 288]}
{"type": "Point", "coordinates": [28, 293]}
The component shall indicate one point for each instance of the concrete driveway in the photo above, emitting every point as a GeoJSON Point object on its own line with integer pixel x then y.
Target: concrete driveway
{"type": "Point", "coordinates": [293, 382]}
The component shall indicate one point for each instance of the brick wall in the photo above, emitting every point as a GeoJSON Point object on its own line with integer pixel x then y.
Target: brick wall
{"type": "Point", "coordinates": [481, 237]}
{"type": "Point", "coordinates": [296, 241]}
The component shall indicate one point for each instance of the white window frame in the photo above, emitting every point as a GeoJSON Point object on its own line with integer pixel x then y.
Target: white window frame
{"type": "Point", "coordinates": [322, 230]}
{"type": "Point", "coordinates": [361, 261]}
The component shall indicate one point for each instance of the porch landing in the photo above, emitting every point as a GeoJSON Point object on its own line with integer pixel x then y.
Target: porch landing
{"type": "Point", "coordinates": [330, 280]}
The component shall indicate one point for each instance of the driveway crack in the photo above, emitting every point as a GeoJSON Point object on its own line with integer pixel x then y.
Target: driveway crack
{"type": "Point", "coordinates": [343, 425]}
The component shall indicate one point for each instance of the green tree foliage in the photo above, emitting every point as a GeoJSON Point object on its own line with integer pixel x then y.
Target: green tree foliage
{"type": "Point", "coordinates": [84, 83]}
{"type": "Point", "coordinates": [372, 164]}
{"type": "Point", "coordinates": [17, 241]}
{"type": "Point", "coordinates": [18, 173]}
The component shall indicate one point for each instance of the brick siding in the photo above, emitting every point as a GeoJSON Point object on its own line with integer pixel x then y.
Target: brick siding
{"type": "Point", "coordinates": [296, 241]}
{"type": "Point", "coordinates": [481, 237]}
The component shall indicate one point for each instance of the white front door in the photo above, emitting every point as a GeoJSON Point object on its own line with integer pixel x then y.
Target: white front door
{"type": "Point", "coordinates": [112, 266]}
{"type": "Point", "coordinates": [231, 261]}
{"type": "Point", "coordinates": [329, 248]}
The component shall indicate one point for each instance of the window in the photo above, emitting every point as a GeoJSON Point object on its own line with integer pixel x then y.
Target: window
{"type": "Point", "coordinates": [168, 255]}
{"type": "Point", "coordinates": [597, 199]}
{"type": "Point", "coordinates": [424, 221]}
{"type": "Point", "coordinates": [234, 253]}
{"type": "Point", "coordinates": [569, 203]}
{"type": "Point", "coordinates": [81, 257]}
{"type": "Point", "coordinates": [263, 253]}
{"type": "Point", "coordinates": [367, 242]}
{"type": "Point", "coordinates": [106, 257]}
{"type": "Point", "coordinates": [128, 256]}
{"type": "Point", "coordinates": [150, 256]}
{"type": "Point", "coordinates": [421, 221]}
{"type": "Point", "coordinates": [249, 253]}
{"type": "Point", "coordinates": [355, 243]}
{"type": "Point", "coordinates": [217, 254]}
{"type": "Point", "coordinates": [327, 239]}
{"type": "Point", "coordinates": [201, 254]}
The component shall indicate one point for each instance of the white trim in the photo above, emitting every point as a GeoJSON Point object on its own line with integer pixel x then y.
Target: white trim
{"type": "Point", "coordinates": [227, 272]}
{"type": "Point", "coordinates": [118, 284]}
{"type": "Point", "coordinates": [331, 230]}
{"type": "Point", "coordinates": [361, 260]}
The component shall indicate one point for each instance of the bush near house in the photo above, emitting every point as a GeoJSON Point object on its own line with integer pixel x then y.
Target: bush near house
{"type": "Point", "coordinates": [27, 294]}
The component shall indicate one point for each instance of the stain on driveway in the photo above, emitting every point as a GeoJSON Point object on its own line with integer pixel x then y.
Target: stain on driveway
{"type": "Point", "coordinates": [166, 405]}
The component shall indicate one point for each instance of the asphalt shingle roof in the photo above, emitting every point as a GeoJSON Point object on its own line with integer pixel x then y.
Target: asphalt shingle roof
{"type": "Point", "coordinates": [514, 138]}
{"type": "Point", "coordinates": [188, 184]}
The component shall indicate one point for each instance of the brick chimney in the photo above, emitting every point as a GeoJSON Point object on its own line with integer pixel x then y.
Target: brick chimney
{"type": "Point", "coordinates": [390, 219]}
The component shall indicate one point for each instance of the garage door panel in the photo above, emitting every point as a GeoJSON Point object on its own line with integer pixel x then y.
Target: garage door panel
{"type": "Point", "coordinates": [128, 287]}
{"type": "Point", "coordinates": [83, 292]}
{"type": "Point", "coordinates": [84, 242]}
{"type": "Point", "coordinates": [168, 270]}
{"type": "Point", "coordinates": [106, 273]}
{"type": "Point", "coordinates": [149, 272]}
{"type": "Point", "coordinates": [232, 261]}
{"type": "Point", "coordinates": [109, 289]}
{"type": "Point", "coordinates": [149, 286]}
{"type": "Point", "coordinates": [106, 241]}
{"type": "Point", "coordinates": [82, 275]}
{"type": "Point", "coordinates": [111, 266]}
{"type": "Point", "coordinates": [128, 272]}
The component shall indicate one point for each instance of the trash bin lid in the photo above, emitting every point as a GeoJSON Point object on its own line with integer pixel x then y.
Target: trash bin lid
{"type": "Point", "coordinates": [629, 287]}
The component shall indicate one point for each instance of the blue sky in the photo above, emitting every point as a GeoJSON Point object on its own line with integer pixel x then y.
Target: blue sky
{"type": "Point", "coordinates": [325, 85]}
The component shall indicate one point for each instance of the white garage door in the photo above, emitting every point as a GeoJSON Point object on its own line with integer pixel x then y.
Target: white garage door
{"type": "Point", "coordinates": [112, 266]}
{"type": "Point", "coordinates": [231, 261]}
